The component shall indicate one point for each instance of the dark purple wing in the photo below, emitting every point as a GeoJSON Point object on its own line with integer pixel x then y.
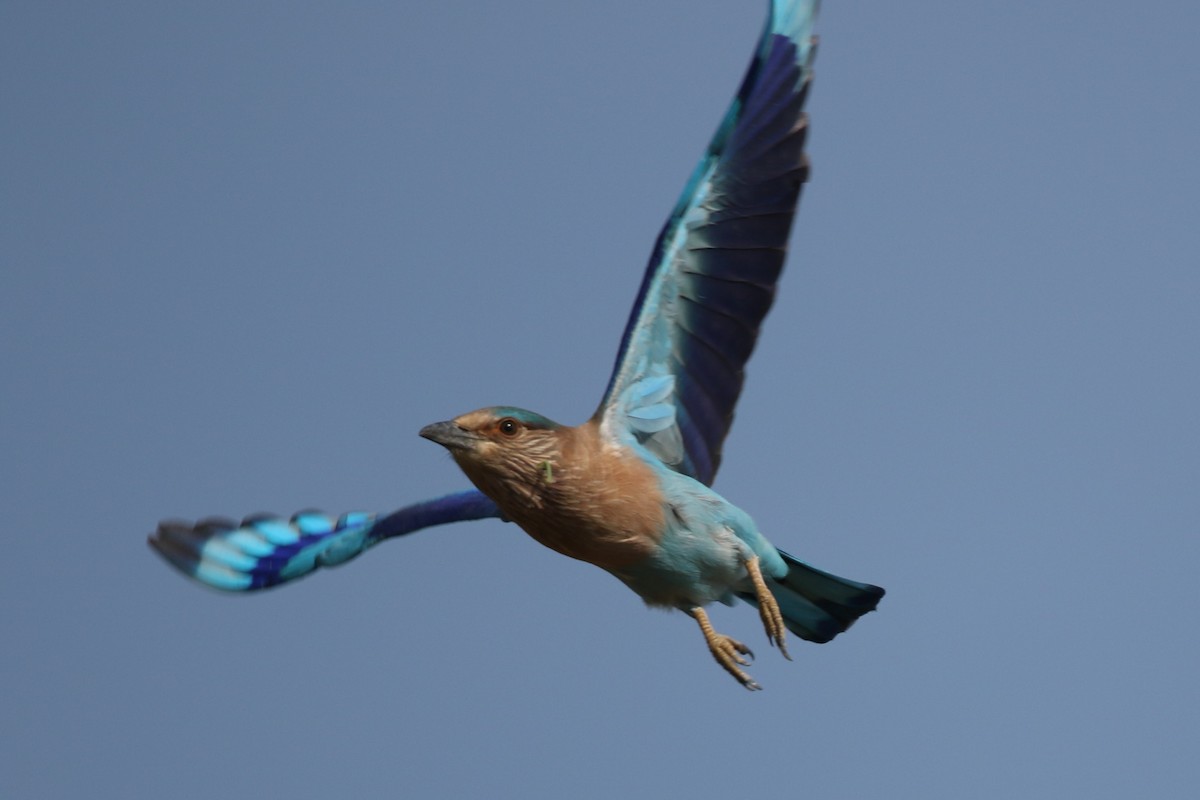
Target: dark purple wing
{"type": "Point", "coordinates": [711, 278]}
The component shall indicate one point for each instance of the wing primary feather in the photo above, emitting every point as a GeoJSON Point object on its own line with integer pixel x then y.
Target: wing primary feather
{"type": "Point", "coordinates": [264, 550]}
{"type": "Point", "coordinates": [715, 264]}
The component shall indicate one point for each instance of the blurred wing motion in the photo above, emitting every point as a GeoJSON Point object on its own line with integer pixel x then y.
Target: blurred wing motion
{"type": "Point", "coordinates": [264, 550]}
{"type": "Point", "coordinates": [711, 278]}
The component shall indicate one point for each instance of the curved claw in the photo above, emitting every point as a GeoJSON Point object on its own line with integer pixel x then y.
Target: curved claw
{"type": "Point", "coordinates": [768, 609]}
{"type": "Point", "coordinates": [727, 651]}
{"type": "Point", "coordinates": [743, 650]}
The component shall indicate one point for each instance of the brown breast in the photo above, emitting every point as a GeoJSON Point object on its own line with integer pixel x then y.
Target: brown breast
{"type": "Point", "coordinates": [595, 502]}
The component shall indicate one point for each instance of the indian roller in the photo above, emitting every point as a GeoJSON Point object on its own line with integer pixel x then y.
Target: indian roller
{"type": "Point", "coordinates": [629, 490]}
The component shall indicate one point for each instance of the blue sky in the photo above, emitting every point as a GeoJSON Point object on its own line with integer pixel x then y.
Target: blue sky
{"type": "Point", "coordinates": [248, 250]}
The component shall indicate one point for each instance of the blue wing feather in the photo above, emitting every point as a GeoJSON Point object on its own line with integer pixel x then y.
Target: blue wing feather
{"type": "Point", "coordinates": [712, 275]}
{"type": "Point", "coordinates": [264, 550]}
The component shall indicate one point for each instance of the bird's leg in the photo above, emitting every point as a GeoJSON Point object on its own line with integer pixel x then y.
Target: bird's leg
{"type": "Point", "coordinates": [768, 608]}
{"type": "Point", "coordinates": [726, 650]}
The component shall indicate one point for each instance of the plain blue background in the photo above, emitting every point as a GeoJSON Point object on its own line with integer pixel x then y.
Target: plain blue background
{"type": "Point", "coordinates": [250, 249]}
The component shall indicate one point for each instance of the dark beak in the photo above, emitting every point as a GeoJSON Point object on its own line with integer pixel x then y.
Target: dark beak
{"type": "Point", "coordinates": [450, 436]}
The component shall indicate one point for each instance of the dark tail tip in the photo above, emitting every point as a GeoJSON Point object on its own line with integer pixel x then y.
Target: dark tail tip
{"type": "Point", "coordinates": [818, 605]}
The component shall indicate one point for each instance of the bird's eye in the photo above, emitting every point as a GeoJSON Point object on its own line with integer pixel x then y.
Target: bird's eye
{"type": "Point", "coordinates": [508, 426]}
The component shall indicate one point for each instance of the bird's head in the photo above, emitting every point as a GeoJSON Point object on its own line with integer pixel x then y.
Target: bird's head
{"type": "Point", "coordinates": [503, 450]}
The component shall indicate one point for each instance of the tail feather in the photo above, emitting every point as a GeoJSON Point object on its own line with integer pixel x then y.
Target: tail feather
{"type": "Point", "coordinates": [817, 605]}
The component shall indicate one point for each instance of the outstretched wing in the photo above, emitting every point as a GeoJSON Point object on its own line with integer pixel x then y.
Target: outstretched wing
{"type": "Point", "coordinates": [264, 550]}
{"type": "Point", "coordinates": [712, 275]}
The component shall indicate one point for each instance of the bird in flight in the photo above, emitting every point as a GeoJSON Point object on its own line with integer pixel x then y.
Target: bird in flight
{"type": "Point", "coordinates": [629, 490]}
